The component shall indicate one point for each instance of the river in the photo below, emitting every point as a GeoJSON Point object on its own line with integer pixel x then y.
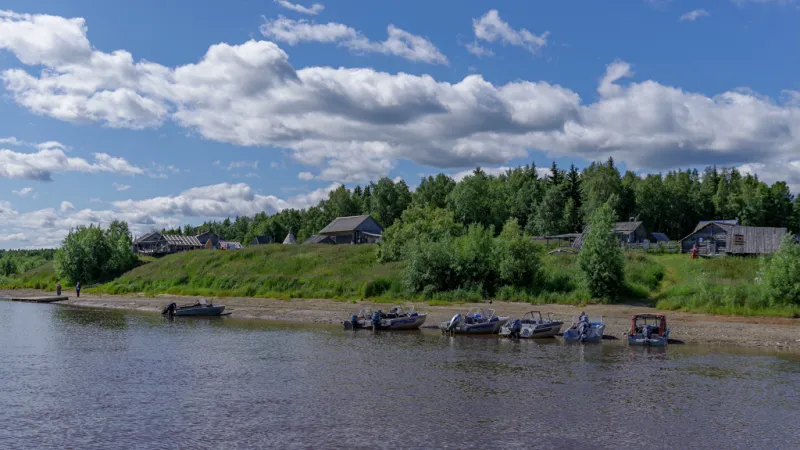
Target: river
{"type": "Point", "coordinates": [94, 378]}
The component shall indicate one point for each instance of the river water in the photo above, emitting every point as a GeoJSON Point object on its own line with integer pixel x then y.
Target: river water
{"type": "Point", "coordinates": [88, 378]}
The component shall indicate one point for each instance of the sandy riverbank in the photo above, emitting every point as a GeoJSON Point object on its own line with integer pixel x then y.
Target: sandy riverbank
{"type": "Point", "coordinates": [689, 328]}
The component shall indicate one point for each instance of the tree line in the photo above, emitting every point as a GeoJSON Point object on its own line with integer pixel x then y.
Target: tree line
{"type": "Point", "coordinates": [561, 202]}
{"type": "Point", "coordinates": [13, 262]}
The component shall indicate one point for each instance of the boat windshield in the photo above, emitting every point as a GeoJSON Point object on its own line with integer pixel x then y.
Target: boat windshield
{"type": "Point", "coordinates": [534, 316]}
{"type": "Point", "coordinates": [652, 321]}
{"type": "Point", "coordinates": [480, 313]}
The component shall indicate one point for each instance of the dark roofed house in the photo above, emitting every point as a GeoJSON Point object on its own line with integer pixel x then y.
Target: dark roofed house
{"type": "Point", "coordinates": [353, 230]}
{"type": "Point", "coordinates": [208, 236]}
{"type": "Point", "coordinates": [261, 240]}
{"type": "Point", "coordinates": [151, 244]}
{"type": "Point", "coordinates": [317, 239]}
{"type": "Point", "coordinates": [631, 232]}
{"type": "Point", "coordinates": [721, 237]}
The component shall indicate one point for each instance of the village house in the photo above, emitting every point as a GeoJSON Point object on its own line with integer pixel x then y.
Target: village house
{"type": "Point", "coordinates": [261, 240]}
{"type": "Point", "coordinates": [630, 232]}
{"type": "Point", "coordinates": [728, 237]}
{"type": "Point", "coordinates": [353, 230]}
{"type": "Point", "coordinates": [156, 244]}
{"type": "Point", "coordinates": [208, 236]}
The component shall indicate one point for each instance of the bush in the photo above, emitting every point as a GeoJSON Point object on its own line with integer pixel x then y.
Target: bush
{"type": "Point", "coordinates": [88, 254]}
{"type": "Point", "coordinates": [780, 276]}
{"type": "Point", "coordinates": [376, 287]}
{"type": "Point", "coordinates": [518, 256]}
{"type": "Point", "coordinates": [600, 258]}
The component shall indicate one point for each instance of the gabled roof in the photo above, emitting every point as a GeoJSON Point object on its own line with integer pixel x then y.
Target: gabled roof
{"type": "Point", "coordinates": [290, 239]}
{"type": "Point", "coordinates": [191, 241]}
{"type": "Point", "coordinates": [626, 227]}
{"type": "Point", "coordinates": [260, 240]}
{"type": "Point", "coordinates": [230, 245]}
{"type": "Point", "coordinates": [148, 236]}
{"type": "Point", "coordinates": [344, 224]}
{"type": "Point", "coordinates": [723, 223]}
{"type": "Point", "coordinates": [317, 239]}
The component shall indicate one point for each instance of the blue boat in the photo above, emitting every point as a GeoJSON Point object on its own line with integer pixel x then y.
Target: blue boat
{"type": "Point", "coordinates": [648, 330]}
{"type": "Point", "coordinates": [585, 331]}
{"type": "Point", "coordinates": [476, 321]}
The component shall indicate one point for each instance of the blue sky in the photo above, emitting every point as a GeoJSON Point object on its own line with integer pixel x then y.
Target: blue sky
{"type": "Point", "coordinates": [169, 112]}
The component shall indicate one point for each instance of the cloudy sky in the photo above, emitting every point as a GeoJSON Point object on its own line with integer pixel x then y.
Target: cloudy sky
{"type": "Point", "coordinates": [170, 112]}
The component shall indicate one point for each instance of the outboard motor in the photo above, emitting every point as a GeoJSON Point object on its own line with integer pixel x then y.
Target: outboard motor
{"type": "Point", "coordinates": [516, 327]}
{"type": "Point", "coordinates": [647, 331]}
{"type": "Point", "coordinates": [451, 326]}
{"type": "Point", "coordinates": [354, 321]}
{"type": "Point", "coordinates": [376, 320]}
{"type": "Point", "coordinates": [169, 309]}
{"type": "Point", "coordinates": [583, 329]}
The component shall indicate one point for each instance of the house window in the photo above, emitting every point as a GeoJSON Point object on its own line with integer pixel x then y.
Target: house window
{"type": "Point", "coordinates": [738, 239]}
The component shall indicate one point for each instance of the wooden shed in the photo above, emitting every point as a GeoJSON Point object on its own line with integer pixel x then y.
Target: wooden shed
{"type": "Point", "coordinates": [182, 243]}
{"type": "Point", "coordinates": [208, 236]}
{"type": "Point", "coordinates": [317, 239]}
{"type": "Point", "coordinates": [727, 237]}
{"type": "Point", "coordinates": [353, 230]}
{"type": "Point", "coordinates": [631, 232]}
{"type": "Point", "coordinates": [151, 244]}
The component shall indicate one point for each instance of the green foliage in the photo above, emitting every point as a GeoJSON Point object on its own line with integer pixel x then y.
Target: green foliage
{"type": "Point", "coordinates": [518, 257]}
{"type": "Point", "coordinates": [426, 223]}
{"type": "Point", "coordinates": [8, 266]}
{"type": "Point", "coordinates": [781, 275]}
{"type": "Point", "coordinates": [549, 217]}
{"type": "Point", "coordinates": [601, 258]}
{"type": "Point", "coordinates": [89, 254]}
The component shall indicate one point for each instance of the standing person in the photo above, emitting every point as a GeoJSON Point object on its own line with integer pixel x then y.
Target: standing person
{"type": "Point", "coordinates": [58, 289]}
{"type": "Point", "coordinates": [78, 288]}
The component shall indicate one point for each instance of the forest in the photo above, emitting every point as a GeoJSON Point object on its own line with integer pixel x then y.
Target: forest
{"type": "Point", "coordinates": [560, 202]}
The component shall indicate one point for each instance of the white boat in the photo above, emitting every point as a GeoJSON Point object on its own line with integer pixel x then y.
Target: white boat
{"type": "Point", "coordinates": [396, 319]}
{"type": "Point", "coordinates": [475, 321]}
{"type": "Point", "coordinates": [585, 331]}
{"type": "Point", "coordinates": [201, 308]}
{"type": "Point", "coordinates": [532, 325]}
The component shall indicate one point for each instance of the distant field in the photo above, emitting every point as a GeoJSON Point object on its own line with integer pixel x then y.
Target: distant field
{"type": "Point", "coordinates": [719, 286]}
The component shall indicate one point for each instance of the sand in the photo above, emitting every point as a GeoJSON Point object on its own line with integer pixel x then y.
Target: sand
{"type": "Point", "coordinates": [767, 332]}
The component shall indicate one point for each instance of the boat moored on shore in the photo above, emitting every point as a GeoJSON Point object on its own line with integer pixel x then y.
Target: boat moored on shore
{"type": "Point", "coordinates": [202, 308]}
{"type": "Point", "coordinates": [532, 325]}
{"type": "Point", "coordinates": [476, 321]}
{"type": "Point", "coordinates": [583, 330]}
{"type": "Point", "coordinates": [648, 330]}
{"type": "Point", "coordinates": [396, 319]}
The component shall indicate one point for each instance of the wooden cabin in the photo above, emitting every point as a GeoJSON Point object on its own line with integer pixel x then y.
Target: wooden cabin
{"type": "Point", "coordinates": [353, 230]}
{"type": "Point", "coordinates": [727, 237]}
{"type": "Point", "coordinates": [631, 232]}
{"type": "Point", "coordinates": [208, 236]}
{"type": "Point", "coordinates": [156, 244]}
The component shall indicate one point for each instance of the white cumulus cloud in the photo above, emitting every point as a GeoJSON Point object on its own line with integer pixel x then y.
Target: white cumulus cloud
{"type": "Point", "coordinates": [42, 164]}
{"type": "Point", "coordinates": [23, 192]}
{"type": "Point", "coordinates": [313, 10]}
{"type": "Point", "coordinates": [492, 28]}
{"type": "Point", "coordinates": [122, 187]}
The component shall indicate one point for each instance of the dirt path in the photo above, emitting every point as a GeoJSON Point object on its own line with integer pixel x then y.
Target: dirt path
{"type": "Point", "coordinates": [686, 327]}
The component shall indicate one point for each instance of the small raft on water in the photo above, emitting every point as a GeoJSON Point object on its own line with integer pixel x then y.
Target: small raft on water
{"type": "Point", "coordinates": [202, 308]}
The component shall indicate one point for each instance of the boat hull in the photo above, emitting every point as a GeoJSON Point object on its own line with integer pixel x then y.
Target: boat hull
{"type": "Point", "coordinates": [654, 340]}
{"type": "Point", "coordinates": [200, 311]}
{"type": "Point", "coordinates": [477, 328]}
{"type": "Point", "coordinates": [403, 323]}
{"type": "Point", "coordinates": [594, 334]}
{"type": "Point", "coordinates": [540, 330]}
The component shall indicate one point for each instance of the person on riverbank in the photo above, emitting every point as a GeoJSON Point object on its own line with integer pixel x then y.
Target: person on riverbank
{"type": "Point", "coordinates": [58, 289]}
{"type": "Point", "coordinates": [78, 288]}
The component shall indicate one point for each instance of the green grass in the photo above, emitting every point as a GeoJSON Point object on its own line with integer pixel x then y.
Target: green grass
{"type": "Point", "coordinates": [42, 277]}
{"type": "Point", "coordinates": [270, 271]}
{"type": "Point", "coordinates": [674, 282]}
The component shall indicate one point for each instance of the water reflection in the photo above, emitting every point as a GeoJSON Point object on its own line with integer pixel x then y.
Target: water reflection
{"type": "Point", "coordinates": [109, 379]}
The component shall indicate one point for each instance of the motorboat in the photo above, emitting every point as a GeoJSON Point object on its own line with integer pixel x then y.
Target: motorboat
{"type": "Point", "coordinates": [583, 330]}
{"type": "Point", "coordinates": [201, 308]}
{"type": "Point", "coordinates": [532, 325]}
{"type": "Point", "coordinates": [475, 321]}
{"type": "Point", "coordinates": [648, 329]}
{"type": "Point", "coordinates": [396, 319]}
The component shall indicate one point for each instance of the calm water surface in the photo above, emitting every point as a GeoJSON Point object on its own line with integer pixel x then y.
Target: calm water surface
{"type": "Point", "coordinates": [86, 378]}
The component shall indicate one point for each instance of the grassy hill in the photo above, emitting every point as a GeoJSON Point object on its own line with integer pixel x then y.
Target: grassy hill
{"type": "Point", "coordinates": [721, 286]}
{"type": "Point", "coordinates": [279, 271]}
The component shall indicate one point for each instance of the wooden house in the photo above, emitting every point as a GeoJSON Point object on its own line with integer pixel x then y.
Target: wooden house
{"type": "Point", "coordinates": [156, 244]}
{"type": "Point", "coordinates": [208, 236]}
{"type": "Point", "coordinates": [727, 237]}
{"type": "Point", "coordinates": [353, 230]}
{"type": "Point", "coordinates": [261, 240]}
{"type": "Point", "coordinates": [631, 232]}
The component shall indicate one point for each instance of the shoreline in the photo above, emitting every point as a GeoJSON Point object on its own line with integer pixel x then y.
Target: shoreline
{"type": "Point", "coordinates": [690, 328]}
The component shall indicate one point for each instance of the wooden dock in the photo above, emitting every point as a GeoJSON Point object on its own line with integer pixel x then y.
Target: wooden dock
{"type": "Point", "coordinates": [38, 299]}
